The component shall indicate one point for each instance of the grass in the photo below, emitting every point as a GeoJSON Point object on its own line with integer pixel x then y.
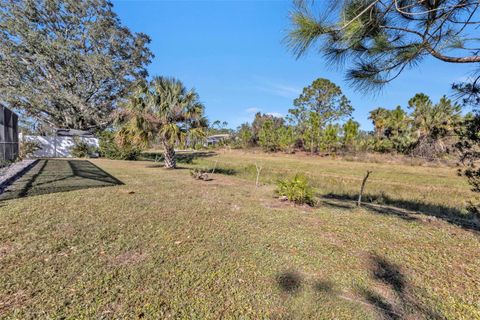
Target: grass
{"type": "Point", "coordinates": [436, 191]}
{"type": "Point", "coordinates": [163, 245]}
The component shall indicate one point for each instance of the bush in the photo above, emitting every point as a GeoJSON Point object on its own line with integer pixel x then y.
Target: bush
{"type": "Point", "coordinates": [110, 149]}
{"type": "Point", "coordinates": [297, 190]}
{"type": "Point", "coordinates": [27, 148]}
{"type": "Point", "coordinates": [81, 149]}
{"type": "Point", "coordinates": [4, 163]}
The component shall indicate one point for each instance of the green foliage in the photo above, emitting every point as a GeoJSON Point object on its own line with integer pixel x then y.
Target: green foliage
{"type": "Point", "coordinates": [81, 149]}
{"type": "Point", "coordinates": [330, 138]}
{"type": "Point", "coordinates": [162, 110]}
{"type": "Point", "coordinates": [259, 121]}
{"type": "Point", "coordinates": [27, 148]}
{"type": "Point", "coordinates": [275, 136]}
{"type": "Point", "coordinates": [324, 98]}
{"type": "Point", "coordinates": [245, 135]}
{"type": "Point", "coordinates": [381, 39]}
{"type": "Point", "coordinates": [469, 142]}
{"type": "Point", "coordinates": [286, 138]}
{"type": "Point", "coordinates": [68, 62]}
{"type": "Point", "coordinates": [312, 133]}
{"type": "Point", "coordinates": [296, 189]}
{"type": "Point", "coordinates": [319, 105]}
{"type": "Point", "coordinates": [350, 134]}
{"type": "Point", "coordinates": [419, 133]}
{"type": "Point", "coordinates": [4, 163]}
{"type": "Point", "coordinates": [269, 137]}
{"type": "Point", "coordinates": [469, 146]}
{"type": "Point", "coordinates": [109, 148]}
{"type": "Point", "coordinates": [432, 120]}
{"type": "Point", "coordinates": [393, 130]}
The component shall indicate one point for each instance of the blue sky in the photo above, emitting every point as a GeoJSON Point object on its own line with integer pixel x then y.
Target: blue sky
{"type": "Point", "coordinates": [232, 53]}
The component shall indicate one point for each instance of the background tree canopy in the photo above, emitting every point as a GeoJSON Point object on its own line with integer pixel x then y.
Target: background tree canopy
{"type": "Point", "coordinates": [67, 62]}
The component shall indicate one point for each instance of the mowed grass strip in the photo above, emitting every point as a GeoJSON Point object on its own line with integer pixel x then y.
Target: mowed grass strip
{"type": "Point", "coordinates": [166, 246]}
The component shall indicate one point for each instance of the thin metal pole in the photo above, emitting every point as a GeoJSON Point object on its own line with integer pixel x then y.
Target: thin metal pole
{"type": "Point", "coordinates": [55, 144]}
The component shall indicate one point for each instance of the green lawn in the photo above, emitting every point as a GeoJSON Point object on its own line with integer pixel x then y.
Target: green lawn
{"type": "Point", "coordinates": [155, 243]}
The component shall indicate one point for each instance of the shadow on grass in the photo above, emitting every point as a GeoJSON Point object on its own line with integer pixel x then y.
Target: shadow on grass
{"type": "Point", "coordinates": [226, 171]}
{"type": "Point", "coordinates": [52, 176]}
{"type": "Point", "coordinates": [181, 157]}
{"type": "Point", "coordinates": [289, 281]}
{"type": "Point", "coordinates": [162, 166]}
{"type": "Point", "coordinates": [398, 303]}
{"type": "Point", "coordinates": [393, 301]}
{"type": "Point", "coordinates": [403, 208]}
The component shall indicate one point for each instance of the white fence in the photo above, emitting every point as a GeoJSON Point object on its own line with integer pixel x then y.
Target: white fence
{"type": "Point", "coordinates": [56, 147]}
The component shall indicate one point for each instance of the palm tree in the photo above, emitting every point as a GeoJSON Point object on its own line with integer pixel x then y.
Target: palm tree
{"type": "Point", "coordinates": [432, 120]}
{"type": "Point", "coordinates": [162, 111]}
{"type": "Point", "coordinates": [379, 117]}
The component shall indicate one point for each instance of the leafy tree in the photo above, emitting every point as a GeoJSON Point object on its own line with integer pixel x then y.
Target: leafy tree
{"type": "Point", "coordinates": [258, 122]}
{"type": "Point", "coordinates": [287, 138]}
{"type": "Point", "coordinates": [330, 138]}
{"type": "Point", "coordinates": [165, 111]}
{"type": "Point", "coordinates": [350, 133]}
{"type": "Point", "coordinates": [380, 39]}
{"type": "Point", "coordinates": [324, 98]}
{"type": "Point", "coordinates": [111, 149]}
{"type": "Point", "coordinates": [313, 132]}
{"type": "Point", "coordinates": [67, 62]}
{"type": "Point", "coordinates": [319, 104]}
{"type": "Point", "coordinates": [268, 136]}
{"type": "Point", "coordinates": [245, 135]}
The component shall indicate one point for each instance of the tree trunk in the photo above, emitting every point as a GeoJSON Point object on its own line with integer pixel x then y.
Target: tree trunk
{"type": "Point", "coordinates": [169, 155]}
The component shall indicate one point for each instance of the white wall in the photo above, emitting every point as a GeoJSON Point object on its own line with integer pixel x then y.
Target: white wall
{"type": "Point", "coordinates": [63, 145]}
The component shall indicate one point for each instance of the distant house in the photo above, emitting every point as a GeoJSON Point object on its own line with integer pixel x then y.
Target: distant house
{"type": "Point", "coordinates": [8, 135]}
{"type": "Point", "coordinates": [216, 139]}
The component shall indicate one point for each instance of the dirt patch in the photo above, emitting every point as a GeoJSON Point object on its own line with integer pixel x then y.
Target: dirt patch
{"type": "Point", "coordinates": [280, 204]}
{"type": "Point", "coordinates": [127, 258]}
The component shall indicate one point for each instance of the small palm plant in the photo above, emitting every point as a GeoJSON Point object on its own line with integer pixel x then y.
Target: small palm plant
{"type": "Point", "coordinates": [297, 190]}
{"type": "Point", "coordinates": [164, 111]}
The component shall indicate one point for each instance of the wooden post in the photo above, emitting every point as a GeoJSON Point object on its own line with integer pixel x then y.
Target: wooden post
{"type": "Point", "coordinates": [259, 169]}
{"type": "Point", "coordinates": [214, 167]}
{"type": "Point", "coordinates": [359, 202]}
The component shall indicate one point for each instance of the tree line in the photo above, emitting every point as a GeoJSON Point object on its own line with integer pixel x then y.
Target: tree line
{"type": "Point", "coordinates": [321, 122]}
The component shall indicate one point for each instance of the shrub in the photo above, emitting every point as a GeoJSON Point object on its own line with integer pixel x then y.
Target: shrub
{"type": "Point", "coordinates": [27, 148]}
{"type": "Point", "coordinates": [81, 149]}
{"type": "Point", "coordinates": [297, 190]}
{"type": "Point", "coordinates": [110, 149]}
{"type": "Point", "coordinates": [4, 163]}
